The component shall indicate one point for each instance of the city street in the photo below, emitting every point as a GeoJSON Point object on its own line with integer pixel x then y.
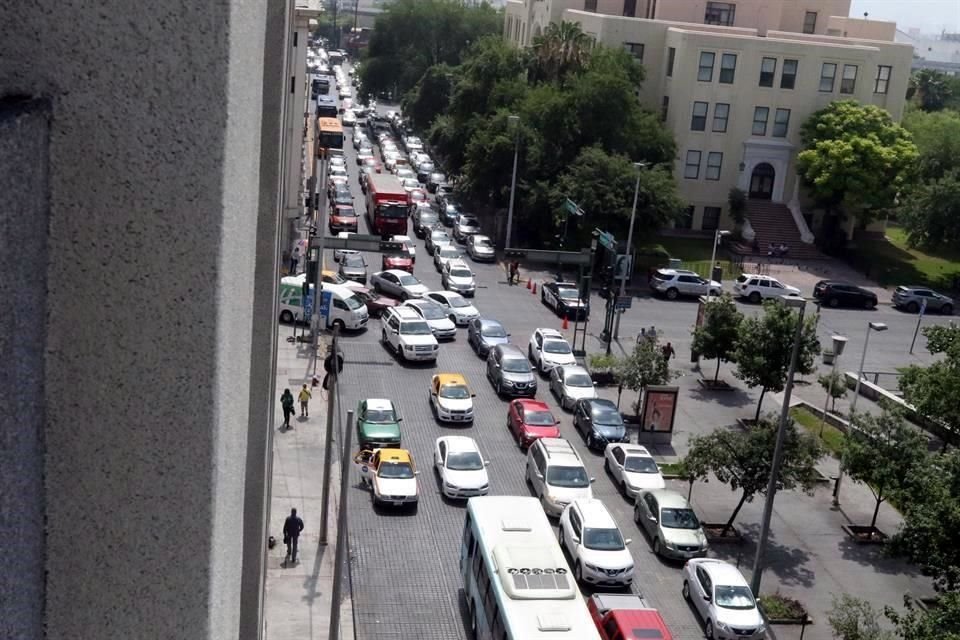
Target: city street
{"type": "Point", "coordinates": [405, 565]}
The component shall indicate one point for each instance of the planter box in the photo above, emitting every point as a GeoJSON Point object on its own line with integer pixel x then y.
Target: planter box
{"type": "Point", "coordinates": [798, 615]}
{"type": "Point", "coordinates": [805, 620]}
{"type": "Point", "coordinates": [631, 419]}
{"type": "Point", "coordinates": [603, 377]}
{"type": "Point", "coordinates": [714, 529]}
{"type": "Point", "coordinates": [865, 534]}
{"type": "Point", "coordinates": [711, 385]}
{"type": "Point", "coordinates": [827, 357]}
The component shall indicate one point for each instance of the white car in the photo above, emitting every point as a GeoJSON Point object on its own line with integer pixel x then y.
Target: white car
{"type": "Point", "coordinates": [458, 309]}
{"type": "Point", "coordinates": [633, 468]}
{"type": "Point", "coordinates": [462, 470]}
{"type": "Point", "coordinates": [457, 277]}
{"type": "Point", "coordinates": [436, 316]}
{"type": "Point", "coordinates": [392, 478]}
{"type": "Point", "coordinates": [360, 139]}
{"type": "Point", "coordinates": [481, 249]}
{"type": "Point", "coordinates": [756, 288]}
{"type": "Point", "coordinates": [398, 283]}
{"type": "Point", "coordinates": [349, 118]}
{"type": "Point", "coordinates": [408, 335]}
{"type": "Point", "coordinates": [722, 597]}
{"type": "Point", "coordinates": [409, 184]}
{"type": "Point", "coordinates": [339, 253]}
{"type": "Point", "coordinates": [548, 349]}
{"type": "Point", "coordinates": [451, 399]}
{"type": "Point", "coordinates": [571, 382]}
{"type": "Point", "coordinates": [556, 474]}
{"type": "Point", "coordinates": [409, 243]}
{"type": "Point", "coordinates": [599, 552]}
{"type": "Point", "coordinates": [442, 254]}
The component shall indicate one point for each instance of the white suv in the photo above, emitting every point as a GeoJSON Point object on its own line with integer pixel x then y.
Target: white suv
{"type": "Point", "coordinates": [674, 283]}
{"type": "Point", "coordinates": [457, 277]}
{"type": "Point", "coordinates": [408, 334]}
{"type": "Point", "coordinates": [557, 475]}
{"type": "Point", "coordinates": [598, 551]}
{"type": "Point", "coordinates": [756, 288]}
{"type": "Point", "coordinates": [548, 349]}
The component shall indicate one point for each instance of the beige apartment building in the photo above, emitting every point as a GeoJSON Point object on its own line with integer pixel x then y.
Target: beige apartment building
{"type": "Point", "coordinates": [735, 81]}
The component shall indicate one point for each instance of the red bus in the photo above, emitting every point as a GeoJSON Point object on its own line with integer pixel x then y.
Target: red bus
{"type": "Point", "coordinates": [387, 207]}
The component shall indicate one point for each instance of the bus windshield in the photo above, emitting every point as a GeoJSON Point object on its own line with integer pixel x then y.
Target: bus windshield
{"type": "Point", "coordinates": [392, 210]}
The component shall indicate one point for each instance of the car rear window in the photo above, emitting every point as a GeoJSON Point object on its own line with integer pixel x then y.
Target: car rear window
{"type": "Point", "coordinates": [741, 278]}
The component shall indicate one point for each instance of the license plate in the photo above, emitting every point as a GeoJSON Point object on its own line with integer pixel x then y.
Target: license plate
{"type": "Point", "coordinates": [396, 503]}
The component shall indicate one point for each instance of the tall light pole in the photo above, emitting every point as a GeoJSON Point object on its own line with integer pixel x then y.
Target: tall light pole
{"type": "Point", "coordinates": [514, 122]}
{"type": "Point", "coordinates": [633, 217]}
{"type": "Point", "coordinates": [871, 326]}
{"type": "Point", "coordinates": [713, 256]}
{"type": "Point", "coordinates": [793, 302]}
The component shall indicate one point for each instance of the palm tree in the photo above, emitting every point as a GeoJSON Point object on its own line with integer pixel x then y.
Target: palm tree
{"type": "Point", "coordinates": [930, 88]}
{"type": "Point", "coordinates": [562, 49]}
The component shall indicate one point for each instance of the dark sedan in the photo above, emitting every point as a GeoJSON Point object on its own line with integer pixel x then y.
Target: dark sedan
{"type": "Point", "coordinates": [423, 220]}
{"type": "Point", "coordinates": [599, 421]}
{"type": "Point", "coordinates": [834, 293]}
{"type": "Point", "coordinates": [484, 333]}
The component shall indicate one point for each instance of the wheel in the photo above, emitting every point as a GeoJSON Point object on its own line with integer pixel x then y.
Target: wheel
{"type": "Point", "coordinates": [404, 296]}
{"type": "Point", "coordinates": [672, 293]}
{"type": "Point", "coordinates": [453, 319]}
{"type": "Point", "coordinates": [833, 302]}
{"type": "Point", "coordinates": [376, 287]}
{"type": "Point", "coordinates": [947, 309]}
{"type": "Point", "coordinates": [560, 538]}
{"type": "Point", "coordinates": [714, 293]}
{"type": "Point", "coordinates": [913, 307]}
{"type": "Point", "coordinates": [869, 304]}
{"type": "Point", "coordinates": [708, 630]}
{"type": "Point", "coordinates": [636, 514]}
{"type": "Point", "coordinates": [590, 441]}
{"type": "Point", "coordinates": [606, 466]}
{"type": "Point", "coordinates": [543, 297]}
{"type": "Point", "coordinates": [685, 592]}
{"type": "Point", "coordinates": [530, 353]}
{"type": "Point", "coordinates": [498, 387]}
{"type": "Point", "coordinates": [339, 325]}
{"type": "Point", "coordinates": [383, 337]}
{"type": "Point", "coordinates": [656, 546]}
{"type": "Point", "coordinates": [754, 297]}
{"type": "Point", "coordinates": [286, 316]}
{"type": "Point", "coordinates": [578, 571]}
{"type": "Point", "coordinates": [473, 622]}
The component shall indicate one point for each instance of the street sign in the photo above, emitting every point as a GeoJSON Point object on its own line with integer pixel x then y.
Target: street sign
{"type": "Point", "coordinates": [325, 297]}
{"type": "Point", "coordinates": [608, 241]}
{"type": "Point", "coordinates": [308, 305]}
{"type": "Point", "coordinates": [623, 302]}
{"type": "Point", "coordinates": [571, 208]}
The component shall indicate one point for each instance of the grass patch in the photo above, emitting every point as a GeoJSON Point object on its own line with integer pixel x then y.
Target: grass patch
{"type": "Point", "coordinates": [831, 439]}
{"type": "Point", "coordinates": [694, 252]}
{"type": "Point", "coordinates": [891, 261]}
{"type": "Point", "coordinates": [602, 361]}
{"type": "Point", "coordinates": [780, 607]}
{"type": "Point", "coordinates": [671, 468]}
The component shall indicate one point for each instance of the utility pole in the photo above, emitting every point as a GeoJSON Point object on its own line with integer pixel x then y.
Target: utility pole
{"type": "Point", "coordinates": [343, 533]}
{"type": "Point", "coordinates": [328, 448]}
{"type": "Point", "coordinates": [318, 207]}
{"type": "Point", "coordinates": [633, 217]}
{"type": "Point", "coordinates": [513, 121]}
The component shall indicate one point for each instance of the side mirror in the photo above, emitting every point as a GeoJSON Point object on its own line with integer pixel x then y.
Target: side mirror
{"type": "Point", "coordinates": [708, 597]}
{"type": "Point", "coordinates": [593, 479]}
{"type": "Point", "coordinates": [508, 335]}
{"type": "Point", "coordinates": [399, 419]}
{"type": "Point", "coordinates": [473, 395]}
{"type": "Point", "coordinates": [496, 365]}
{"type": "Point", "coordinates": [575, 539]}
{"type": "Point", "coordinates": [652, 518]}
{"type": "Point", "coordinates": [416, 473]}
{"type": "Point", "coordinates": [628, 541]}
{"type": "Point", "coordinates": [486, 463]}
{"type": "Point", "coordinates": [539, 475]}
{"type": "Point", "coordinates": [556, 422]}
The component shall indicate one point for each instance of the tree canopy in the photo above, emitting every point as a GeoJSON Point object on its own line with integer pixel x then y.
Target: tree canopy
{"type": "Point", "coordinates": [930, 213]}
{"type": "Point", "coordinates": [930, 89]}
{"type": "Point", "coordinates": [935, 389]}
{"type": "Point", "coordinates": [645, 366]}
{"type": "Point", "coordinates": [717, 338]}
{"type": "Point", "coordinates": [937, 136]}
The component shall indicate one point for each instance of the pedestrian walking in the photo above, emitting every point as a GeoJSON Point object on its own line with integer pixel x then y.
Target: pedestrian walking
{"type": "Point", "coordinates": [668, 351]}
{"type": "Point", "coordinates": [304, 398]}
{"type": "Point", "coordinates": [514, 272]}
{"type": "Point", "coordinates": [294, 259]}
{"type": "Point", "coordinates": [286, 401]}
{"type": "Point", "coordinates": [292, 527]}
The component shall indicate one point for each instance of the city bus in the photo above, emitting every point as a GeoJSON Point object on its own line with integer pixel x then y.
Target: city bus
{"type": "Point", "coordinates": [516, 581]}
{"type": "Point", "coordinates": [330, 133]}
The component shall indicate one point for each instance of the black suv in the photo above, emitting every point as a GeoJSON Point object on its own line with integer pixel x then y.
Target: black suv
{"type": "Point", "coordinates": [834, 293]}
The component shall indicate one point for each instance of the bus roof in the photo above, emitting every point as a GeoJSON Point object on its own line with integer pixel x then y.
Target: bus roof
{"type": "Point", "coordinates": [329, 124]}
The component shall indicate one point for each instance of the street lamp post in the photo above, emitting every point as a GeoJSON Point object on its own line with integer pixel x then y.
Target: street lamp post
{"type": "Point", "coordinates": [633, 217]}
{"type": "Point", "coordinates": [794, 302]}
{"type": "Point", "coordinates": [514, 122]}
{"type": "Point", "coordinates": [871, 326]}
{"type": "Point", "coordinates": [713, 256]}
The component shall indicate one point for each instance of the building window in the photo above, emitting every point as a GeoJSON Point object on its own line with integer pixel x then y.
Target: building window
{"type": "Point", "coordinates": [705, 72]}
{"type": "Point", "coordinates": [590, 5]}
{"type": "Point", "coordinates": [760, 115]}
{"type": "Point", "coordinates": [721, 13]}
{"type": "Point", "coordinates": [630, 8]}
{"type": "Point", "coordinates": [768, 69]}
{"type": "Point", "coordinates": [828, 73]}
{"type": "Point", "coordinates": [781, 123]}
{"type": "Point", "coordinates": [671, 56]}
{"type": "Point", "coordinates": [635, 49]}
{"type": "Point", "coordinates": [728, 68]}
{"type": "Point", "coordinates": [691, 168]}
{"type": "Point", "coordinates": [810, 22]}
{"type": "Point", "coordinates": [698, 122]}
{"type": "Point", "coordinates": [711, 218]}
{"type": "Point", "coordinates": [664, 107]}
{"type": "Point", "coordinates": [721, 113]}
{"type": "Point", "coordinates": [848, 83]}
{"type": "Point", "coordinates": [685, 221]}
{"type": "Point", "coordinates": [883, 79]}
{"type": "Point", "coordinates": [295, 34]}
{"type": "Point", "coordinates": [789, 76]}
{"type": "Point", "coordinates": [714, 162]}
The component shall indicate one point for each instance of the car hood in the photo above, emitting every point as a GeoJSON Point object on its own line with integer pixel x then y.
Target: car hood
{"type": "Point", "coordinates": [549, 431]}
{"type": "Point", "coordinates": [353, 271]}
{"type": "Point", "coordinates": [461, 282]}
{"type": "Point", "coordinates": [468, 311]}
{"type": "Point", "coordinates": [441, 324]}
{"type": "Point", "coordinates": [686, 537]}
{"type": "Point", "coordinates": [644, 480]}
{"type": "Point", "coordinates": [606, 559]}
{"type": "Point", "coordinates": [455, 404]}
{"type": "Point", "coordinates": [574, 303]}
{"type": "Point", "coordinates": [740, 618]}
{"type": "Point", "coordinates": [345, 219]}
{"type": "Point", "coordinates": [380, 430]}
{"type": "Point", "coordinates": [569, 494]}
{"type": "Point", "coordinates": [518, 377]}
{"type": "Point", "coordinates": [492, 342]}
{"type": "Point", "coordinates": [559, 358]}
{"type": "Point", "coordinates": [483, 249]}
{"type": "Point", "coordinates": [610, 432]}
{"type": "Point", "coordinates": [396, 486]}
{"type": "Point", "coordinates": [416, 289]}
{"type": "Point", "coordinates": [580, 393]}
{"type": "Point", "coordinates": [418, 339]}
{"type": "Point", "coordinates": [466, 479]}
{"type": "Point", "coordinates": [791, 291]}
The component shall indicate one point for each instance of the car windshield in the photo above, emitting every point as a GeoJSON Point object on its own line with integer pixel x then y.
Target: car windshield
{"type": "Point", "coordinates": [454, 392]}
{"type": "Point", "coordinates": [408, 280]}
{"type": "Point", "coordinates": [432, 311]}
{"type": "Point", "coordinates": [603, 539]}
{"type": "Point", "coordinates": [485, 243]}
{"type": "Point", "coordinates": [468, 222]}
{"type": "Point", "coordinates": [393, 211]}
{"type": "Point", "coordinates": [679, 519]}
{"type": "Point", "coordinates": [353, 303]}
{"type": "Point", "coordinates": [464, 461]}
{"type": "Point", "coordinates": [428, 218]}
{"type": "Point", "coordinates": [395, 470]}
{"type": "Point", "coordinates": [556, 346]}
{"type": "Point", "coordinates": [449, 252]}
{"type": "Point", "coordinates": [567, 477]}
{"type": "Point", "coordinates": [415, 328]}
{"type": "Point", "coordinates": [730, 597]}
{"type": "Point", "coordinates": [460, 273]}
{"type": "Point", "coordinates": [493, 331]}
{"type": "Point", "coordinates": [516, 365]}
{"type": "Point", "coordinates": [354, 260]}
{"type": "Point", "coordinates": [640, 464]}
{"type": "Point", "coordinates": [568, 294]}
{"type": "Point", "coordinates": [381, 415]}
{"type": "Point", "coordinates": [439, 235]}
{"type": "Point", "coordinates": [539, 418]}
{"type": "Point", "coordinates": [457, 302]}
{"type": "Point", "coordinates": [606, 415]}
{"type": "Point", "coordinates": [579, 380]}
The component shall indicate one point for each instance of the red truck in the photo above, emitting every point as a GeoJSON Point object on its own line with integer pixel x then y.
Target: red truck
{"type": "Point", "coordinates": [387, 206]}
{"type": "Point", "coordinates": [626, 617]}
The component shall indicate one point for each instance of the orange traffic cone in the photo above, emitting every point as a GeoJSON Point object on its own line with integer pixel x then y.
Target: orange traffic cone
{"type": "Point", "coordinates": [534, 290]}
{"type": "Point", "coordinates": [528, 284]}
{"type": "Point", "coordinates": [566, 323]}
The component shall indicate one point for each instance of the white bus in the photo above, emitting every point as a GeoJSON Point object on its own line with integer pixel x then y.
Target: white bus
{"type": "Point", "coordinates": [515, 578]}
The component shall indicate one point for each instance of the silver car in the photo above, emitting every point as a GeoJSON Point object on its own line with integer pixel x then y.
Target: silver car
{"type": "Point", "coordinates": [570, 383]}
{"type": "Point", "coordinates": [458, 277]}
{"type": "Point", "coordinates": [509, 372]}
{"type": "Point", "coordinates": [457, 307]}
{"type": "Point", "coordinates": [443, 327]}
{"type": "Point", "coordinates": [674, 283]}
{"type": "Point", "coordinates": [444, 254]}
{"type": "Point", "coordinates": [466, 226]}
{"type": "Point", "coordinates": [480, 248]}
{"type": "Point", "coordinates": [673, 527]}
{"type": "Point", "coordinates": [397, 283]}
{"type": "Point", "coordinates": [913, 298]}
{"type": "Point", "coordinates": [353, 266]}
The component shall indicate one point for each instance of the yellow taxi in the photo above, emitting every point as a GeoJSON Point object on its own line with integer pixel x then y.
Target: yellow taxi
{"type": "Point", "coordinates": [391, 475]}
{"type": "Point", "coordinates": [451, 398]}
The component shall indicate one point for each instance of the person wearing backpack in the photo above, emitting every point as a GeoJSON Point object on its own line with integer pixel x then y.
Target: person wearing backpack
{"type": "Point", "coordinates": [286, 401]}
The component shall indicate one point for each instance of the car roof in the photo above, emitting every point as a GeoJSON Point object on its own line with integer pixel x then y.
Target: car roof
{"type": "Point", "coordinates": [406, 313]}
{"type": "Point", "coordinates": [600, 402]}
{"type": "Point", "coordinates": [458, 264]}
{"type": "Point", "coordinates": [450, 378]}
{"type": "Point", "coordinates": [595, 513]}
{"type": "Point", "coordinates": [397, 272]}
{"type": "Point", "coordinates": [530, 404]}
{"type": "Point", "coordinates": [636, 622]}
{"type": "Point", "coordinates": [669, 499]}
{"type": "Point", "coordinates": [565, 284]}
{"type": "Point", "coordinates": [722, 572]}
{"type": "Point", "coordinates": [395, 455]}
{"type": "Point", "coordinates": [459, 443]}
{"type": "Point", "coordinates": [510, 351]}
{"type": "Point", "coordinates": [379, 404]}
{"type": "Point", "coordinates": [568, 369]}
{"type": "Point", "coordinates": [685, 272]}
{"type": "Point", "coordinates": [547, 332]}
{"type": "Point", "coordinates": [635, 450]}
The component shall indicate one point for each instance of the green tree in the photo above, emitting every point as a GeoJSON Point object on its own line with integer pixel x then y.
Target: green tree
{"type": "Point", "coordinates": [562, 48]}
{"type": "Point", "coordinates": [934, 390]}
{"type": "Point", "coordinates": [430, 97]}
{"type": "Point", "coordinates": [835, 385]}
{"type": "Point", "coordinates": [937, 136]}
{"type": "Point", "coordinates": [930, 214]}
{"type": "Point", "coordinates": [743, 460]}
{"type": "Point", "coordinates": [884, 453]}
{"type": "Point", "coordinates": [717, 337]}
{"type": "Point", "coordinates": [855, 619]}
{"type": "Point", "coordinates": [855, 158]}
{"type": "Point", "coordinates": [929, 88]}
{"type": "Point", "coordinates": [941, 622]}
{"type": "Point", "coordinates": [765, 345]}
{"type": "Point", "coordinates": [645, 366]}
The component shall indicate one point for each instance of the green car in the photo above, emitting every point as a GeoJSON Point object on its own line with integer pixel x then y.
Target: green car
{"type": "Point", "coordinates": [378, 424]}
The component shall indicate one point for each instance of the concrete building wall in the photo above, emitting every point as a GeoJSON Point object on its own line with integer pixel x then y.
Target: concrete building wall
{"type": "Point", "coordinates": [151, 216]}
{"type": "Point", "coordinates": [861, 29]}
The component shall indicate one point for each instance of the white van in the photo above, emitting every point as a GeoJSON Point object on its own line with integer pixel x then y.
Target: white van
{"type": "Point", "coordinates": [346, 310]}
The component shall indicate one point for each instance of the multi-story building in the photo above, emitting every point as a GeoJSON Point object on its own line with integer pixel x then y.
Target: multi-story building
{"type": "Point", "coordinates": [735, 81]}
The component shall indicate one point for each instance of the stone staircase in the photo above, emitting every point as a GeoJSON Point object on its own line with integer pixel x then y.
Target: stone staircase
{"type": "Point", "coordinates": [773, 223]}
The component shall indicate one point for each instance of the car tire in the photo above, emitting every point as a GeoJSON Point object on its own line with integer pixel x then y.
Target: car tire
{"type": "Point", "coordinates": [869, 304]}
{"type": "Point", "coordinates": [656, 546]}
{"type": "Point", "coordinates": [672, 293]}
{"type": "Point", "coordinates": [560, 538]}
{"type": "Point", "coordinates": [636, 513]}
{"type": "Point", "coordinates": [913, 307]}
{"type": "Point", "coordinates": [685, 592]}
{"type": "Point", "coordinates": [530, 354]}
{"type": "Point", "coordinates": [578, 572]}
{"type": "Point", "coordinates": [376, 287]}
{"type": "Point", "coordinates": [404, 296]}
{"type": "Point", "coordinates": [606, 466]}
{"type": "Point", "coordinates": [339, 325]}
{"type": "Point", "coordinates": [286, 317]}
{"type": "Point", "coordinates": [498, 387]}
{"type": "Point", "coordinates": [708, 630]}
{"type": "Point", "coordinates": [754, 297]}
{"type": "Point", "coordinates": [833, 302]}
{"type": "Point", "coordinates": [590, 440]}
{"type": "Point", "coordinates": [947, 309]}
